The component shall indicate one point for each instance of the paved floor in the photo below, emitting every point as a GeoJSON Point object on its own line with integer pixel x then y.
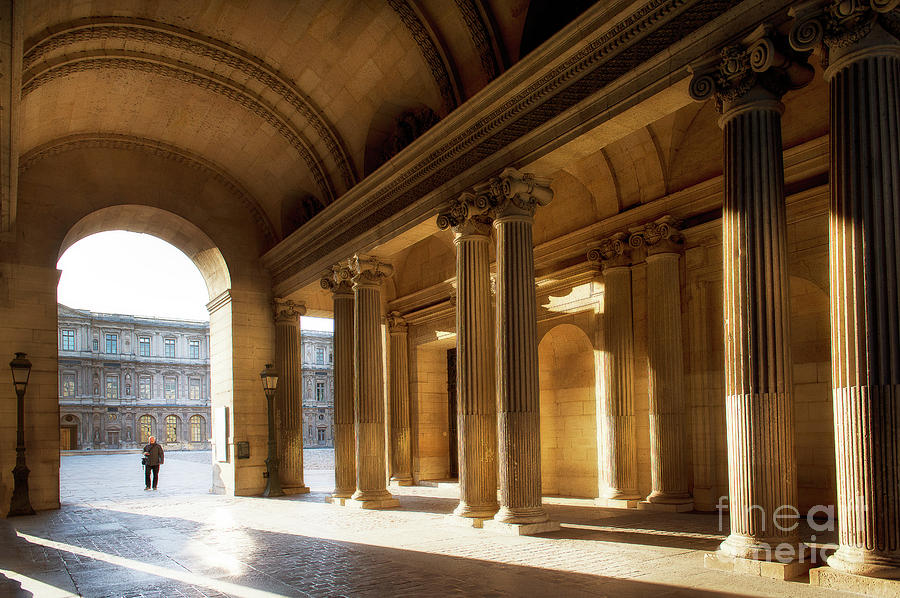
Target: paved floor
{"type": "Point", "coordinates": [111, 538]}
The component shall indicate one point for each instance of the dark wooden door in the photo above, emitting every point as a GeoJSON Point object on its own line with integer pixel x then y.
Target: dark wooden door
{"type": "Point", "coordinates": [451, 412]}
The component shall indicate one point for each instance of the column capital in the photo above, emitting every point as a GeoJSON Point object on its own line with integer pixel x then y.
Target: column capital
{"type": "Point", "coordinates": [369, 271]}
{"type": "Point", "coordinates": [468, 214]}
{"type": "Point", "coordinates": [612, 252]}
{"type": "Point", "coordinates": [518, 194]}
{"type": "Point", "coordinates": [838, 26]}
{"type": "Point", "coordinates": [397, 324]}
{"type": "Point", "coordinates": [338, 280]}
{"type": "Point", "coordinates": [287, 311]}
{"type": "Point", "coordinates": [759, 69]}
{"type": "Point", "coordinates": [660, 236]}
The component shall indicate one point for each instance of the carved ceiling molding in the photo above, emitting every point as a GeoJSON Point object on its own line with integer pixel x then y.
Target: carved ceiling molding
{"type": "Point", "coordinates": [188, 42]}
{"type": "Point", "coordinates": [428, 47]}
{"type": "Point", "coordinates": [156, 148]}
{"type": "Point", "coordinates": [481, 36]}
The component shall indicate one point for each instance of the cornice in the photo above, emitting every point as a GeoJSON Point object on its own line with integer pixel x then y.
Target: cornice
{"type": "Point", "coordinates": [192, 44]}
{"type": "Point", "coordinates": [157, 148]}
{"type": "Point", "coordinates": [583, 66]}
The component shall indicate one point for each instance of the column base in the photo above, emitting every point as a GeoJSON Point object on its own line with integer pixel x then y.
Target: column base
{"type": "Point", "coordinates": [771, 569]}
{"type": "Point", "coordinates": [833, 579]}
{"type": "Point", "coordinates": [467, 511]}
{"type": "Point", "coordinates": [404, 481]}
{"type": "Point", "coordinates": [864, 563]}
{"type": "Point", "coordinates": [617, 503]}
{"type": "Point", "coordinates": [362, 503]}
{"type": "Point", "coordinates": [339, 501]}
{"type": "Point", "coordinates": [520, 529]}
{"type": "Point", "coordinates": [646, 505]}
{"type": "Point", "coordinates": [295, 489]}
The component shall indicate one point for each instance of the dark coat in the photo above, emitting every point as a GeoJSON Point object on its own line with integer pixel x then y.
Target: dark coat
{"type": "Point", "coordinates": [154, 454]}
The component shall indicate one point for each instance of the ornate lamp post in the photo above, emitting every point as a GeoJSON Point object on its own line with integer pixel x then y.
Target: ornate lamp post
{"type": "Point", "coordinates": [20, 503]}
{"type": "Point", "coordinates": [273, 483]}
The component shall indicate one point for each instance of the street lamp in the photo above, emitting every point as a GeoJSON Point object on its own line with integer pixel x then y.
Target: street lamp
{"type": "Point", "coordinates": [20, 503]}
{"type": "Point", "coordinates": [273, 483]}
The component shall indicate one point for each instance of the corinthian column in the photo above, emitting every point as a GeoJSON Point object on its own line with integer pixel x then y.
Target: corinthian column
{"type": "Point", "coordinates": [748, 82]}
{"type": "Point", "coordinates": [514, 197]}
{"type": "Point", "coordinates": [289, 396]}
{"type": "Point", "coordinates": [475, 384]}
{"type": "Point", "coordinates": [615, 415]}
{"type": "Point", "coordinates": [371, 476]}
{"type": "Point", "coordinates": [862, 46]}
{"type": "Point", "coordinates": [401, 451]}
{"type": "Point", "coordinates": [338, 282]}
{"type": "Point", "coordinates": [668, 422]}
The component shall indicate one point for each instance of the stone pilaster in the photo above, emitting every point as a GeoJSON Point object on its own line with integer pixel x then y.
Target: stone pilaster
{"type": "Point", "coordinates": [861, 43]}
{"type": "Point", "coordinates": [371, 476]}
{"type": "Point", "coordinates": [514, 196]}
{"type": "Point", "coordinates": [338, 282]}
{"type": "Point", "coordinates": [289, 396]}
{"type": "Point", "coordinates": [401, 450]}
{"type": "Point", "coordinates": [615, 413]}
{"type": "Point", "coordinates": [747, 83]}
{"type": "Point", "coordinates": [670, 479]}
{"type": "Point", "coordinates": [475, 381]}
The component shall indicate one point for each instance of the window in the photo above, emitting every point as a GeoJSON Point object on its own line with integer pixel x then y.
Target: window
{"type": "Point", "coordinates": [197, 428]}
{"type": "Point", "coordinates": [330, 357]}
{"type": "Point", "coordinates": [170, 347]}
{"type": "Point", "coordinates": [145, 387]}
{"type": "Point", "coordinates": [144, 346]}
{"type": "Point", "coordinates": [68, 386]}
{"type": "Point", "coordinates": [320, 391]}
{"type": "Point", "coordinates": [112, 386]}
{"type": "Point", "coordinates": [321, 434]}
{"type": "Point", "coordinates": [320, 355]}
{"type": "Point", "coordinates": [171, 428]}
{"type": "Point", "coordinates": [146, 428]}
{"type": "Point", "coordinates": [194, 389]}
{"type": "Point", "coordinates": [96, 344]}
{"type": "Point", "coordinates": [112, 343]}
{"type": "Point", "coordinates": [170, 388]}
{"type": "Point", "coordinates": [68, 340]}
{"type": "Point", "coordinates": [194, 347]}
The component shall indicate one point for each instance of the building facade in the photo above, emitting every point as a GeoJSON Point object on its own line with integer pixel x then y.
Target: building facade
{"type": "Point", "coordinates": [125, 378]}
{"type": "Point", "coordinates": [318, 388]}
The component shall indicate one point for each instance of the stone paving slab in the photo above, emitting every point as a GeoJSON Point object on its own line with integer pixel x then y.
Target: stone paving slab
{"type": "Point", "coordinates": [110, 538]}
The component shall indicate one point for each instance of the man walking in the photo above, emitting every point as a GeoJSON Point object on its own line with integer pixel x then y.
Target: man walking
{"type": "Point", "coordinates": [155, 457]}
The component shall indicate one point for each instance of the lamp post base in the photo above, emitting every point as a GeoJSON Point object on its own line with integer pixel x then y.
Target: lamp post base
{"type": "Point", "coordinates": [20, 504]}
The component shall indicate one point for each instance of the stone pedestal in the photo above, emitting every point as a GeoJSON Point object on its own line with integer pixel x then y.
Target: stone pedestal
{"type": "Point", "coordinates": [371, 475]}
{"type": "Point", "coordinates": [670, 479]}
{"type": "Point", "coordinates": [289, 396]}
{"type": "Point", "coordinates": [517, 361]}
{"type": "Point", "coordinates": [475, 381]}
{"type": "Point", "coordinates": [615, 409]}
{"type": "Point", "coordinates": [401, 451]}
{"type": "Point", "coordinates": [344, 434]}
{"type": "Point", "coordinates": [864, 82]}
{"type": "Point", "coordinates": [748, 82]}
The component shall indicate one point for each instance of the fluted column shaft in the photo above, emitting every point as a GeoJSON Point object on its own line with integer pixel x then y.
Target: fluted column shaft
{"type": "Point", "coordinates": [401, 451]}
{"type": "Point", "coordinates": [289, 396]}
{"type": "Point", "coordinates": [864, 84]}
{"type": "Point", "coordinates": [344, 435]}
{"type": "Point", "coordinates": [476, 389]}
{"type": "Point", "coordinates": [668, 422]}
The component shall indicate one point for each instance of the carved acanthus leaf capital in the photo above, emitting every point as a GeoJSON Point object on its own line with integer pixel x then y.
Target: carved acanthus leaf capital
{"type": "Point", "coordinates": [660, 236]}
{"type": "Point", "coordinates": [368, 270]}
{"type": "Point", "coordinates": [612, 252]}
{"type": "Point", "coordinates": [339, 280]}
{"type": "Point", "coordinates": [396, 323]}
{"type": "Point", "coordinates": [763, 62]}
{"type": "Point", "coordinates": [835, 24]}
{"type": "Point", "coordinates": [468, 213]}
{"type": "Point", "coordinates": [287, 311]}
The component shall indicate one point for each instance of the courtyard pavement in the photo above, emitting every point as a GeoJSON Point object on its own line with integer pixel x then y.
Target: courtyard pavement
{"type": "Point", "coordinates": [111, 538]}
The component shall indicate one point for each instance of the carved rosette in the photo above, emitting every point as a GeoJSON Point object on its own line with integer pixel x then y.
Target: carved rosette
{"type": "Point", "coordinates": [762, 66]}
{"type": "Point", "coordinates": [369, 271]}
{"type": "Point", "coordinates": [396, 323]}
{"type": "Point", "coordinates": [612, 252]}
{"type": "Point", "coordinates": [660, 236]}
{"type": "Point", "coordinates": [834, 25]}
{"type": "Point", "coordinates": [339, 280]}
{"type": "Point", "coordinates": [287, 311]}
